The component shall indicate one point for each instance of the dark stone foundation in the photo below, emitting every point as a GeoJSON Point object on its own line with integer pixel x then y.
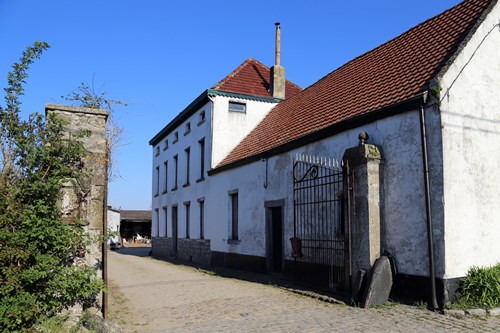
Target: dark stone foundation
{"type": "Point", "coordinates": [192, 250]}
{"type": "Point", "coordinates": [411, 288]}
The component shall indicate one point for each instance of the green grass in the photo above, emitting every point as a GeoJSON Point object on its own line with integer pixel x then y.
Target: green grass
{"type": "Point", "coordinates": [479, 289]}
{"type": "Point", "coordinates": [421, 305]}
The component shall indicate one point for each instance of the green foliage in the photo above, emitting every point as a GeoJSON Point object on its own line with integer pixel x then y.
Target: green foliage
{"type": "Point", "coordinates": [87, 96]}
{"type": "Point", "coordinates": [480, 288]}
{"type": "Point", "coordinates": [40, 271]}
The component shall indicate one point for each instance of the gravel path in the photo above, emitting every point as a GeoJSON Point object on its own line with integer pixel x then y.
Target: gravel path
{"type": "Point", "coordinates": [149, 295]}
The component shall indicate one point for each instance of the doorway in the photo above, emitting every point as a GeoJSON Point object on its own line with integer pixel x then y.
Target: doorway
{"type": "Point", "coordinates": [274, 236]}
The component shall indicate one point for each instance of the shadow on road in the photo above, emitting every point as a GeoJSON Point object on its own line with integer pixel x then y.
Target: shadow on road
{"type": "Point", "coordinates": [138, 251]}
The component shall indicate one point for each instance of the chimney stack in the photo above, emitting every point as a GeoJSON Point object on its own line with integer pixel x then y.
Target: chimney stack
{"type": "Point", "coordinates": [278, 72]}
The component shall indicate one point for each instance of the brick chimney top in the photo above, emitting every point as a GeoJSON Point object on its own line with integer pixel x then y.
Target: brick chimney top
{"type": "Point", "coordinates": [278, 72]}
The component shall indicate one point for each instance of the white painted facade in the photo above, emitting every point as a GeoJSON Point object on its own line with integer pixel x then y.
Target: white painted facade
{"type": "Point", "coordinates": [404, 208]}
{"type": "Point", "coordinates": [470, 115]}
{"type": "Point", "coordinates": [113, 219]}
{"type": "Point", "coordinates": [211, 125]}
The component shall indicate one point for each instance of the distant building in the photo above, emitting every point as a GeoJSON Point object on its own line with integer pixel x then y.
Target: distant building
{"type": "Point", "coordinates": [135, 224]}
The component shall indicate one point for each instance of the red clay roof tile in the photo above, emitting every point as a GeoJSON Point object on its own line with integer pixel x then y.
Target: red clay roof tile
{"type": "Point", "coordinates": [252, 78]}
{"type": "Point", "coordinates": [391, 73]}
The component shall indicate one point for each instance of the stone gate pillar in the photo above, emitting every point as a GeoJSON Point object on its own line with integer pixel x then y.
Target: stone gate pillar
{"type": "Point", "coordinates": [87, 201]}
{"type": "Point", "coordinates": [365, 164]}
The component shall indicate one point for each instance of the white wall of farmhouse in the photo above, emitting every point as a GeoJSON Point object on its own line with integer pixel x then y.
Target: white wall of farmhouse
{"type": "Point", "coordinates": [470, 112]}
{"type": "Point", "coordinates": [188, 187]}
{"type": "Point", "coordinates": [404, 226]}
{"type": "Point", "coordinates": [220, 128]}
{"type": "Point", "coordinates": [230, 128]}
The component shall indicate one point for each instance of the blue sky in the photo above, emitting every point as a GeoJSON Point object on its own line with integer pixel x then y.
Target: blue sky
{"type": "Point", "coordinates": [160, 55]}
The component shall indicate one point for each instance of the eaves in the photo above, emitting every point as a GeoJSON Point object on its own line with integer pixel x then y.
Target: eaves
{"type": "Point", "coordinates": [201, 100]}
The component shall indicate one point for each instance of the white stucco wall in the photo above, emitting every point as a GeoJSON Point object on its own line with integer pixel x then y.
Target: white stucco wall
{"type": "Point", "coordinates": [403, 208]}
{"type": "Point", "coordinates": [229, 127]}
{"type": "Point", "coordinates": [470, 111]}
{"type": "Point", "coordinates": [162, 223]}
{"type": "Point", "coordinates": [222, 129]}
{"type": "Point", "coordinates": [113, 219]}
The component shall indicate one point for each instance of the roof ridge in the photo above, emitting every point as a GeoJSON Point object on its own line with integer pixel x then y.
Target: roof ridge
{"type": "Point", "coordinates": [235, 72]}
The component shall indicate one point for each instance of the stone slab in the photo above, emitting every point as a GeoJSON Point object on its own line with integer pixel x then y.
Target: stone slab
{"type": "Point", "coordinates": [455, 312]}
{"type": "Point", "coordinates": [380, 283]}
{"type": "Point", "coordinates": [494, 312]}
{"type": "Point", "coordinates": [476, 312]}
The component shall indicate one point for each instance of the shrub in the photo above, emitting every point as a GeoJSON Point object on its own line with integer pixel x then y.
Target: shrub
{"type": "Point", "coordinates": [40, 271]}
{"type": "Point", "coordinates": [480, 288]}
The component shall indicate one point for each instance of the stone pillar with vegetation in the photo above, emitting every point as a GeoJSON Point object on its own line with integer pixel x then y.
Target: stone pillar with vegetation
{"type": "Point", "coordinates": [365, 165]}
{"type": "Point", "coordinates": [85, 200]}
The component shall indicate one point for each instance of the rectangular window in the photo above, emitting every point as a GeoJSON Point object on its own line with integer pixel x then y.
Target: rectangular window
{"type": "Point", "coordinates": [157, 150]}
{"type": "Point", "coordinates": [176, 137]}
{"type": "Point", "coordinates": [202, 118]}
{"type": "Point", "coordinates": [157, 218]}
{"type": "Point", "coordinates": [165, 182]}
{"type": "Point", "coordinates": [234, 215]}
{"type": "Point", "coordinates": [187, 205]}
{"type": "Point", "coordinates": [202, 159]}
{"type": "Point", "coordinates": [157, 180]}
{"type": "Point", "coordinates": [165, 145]}
{"type": "Point", "coordinates": [188, 129]}
{"type": "Point", "coordinates": [201, 205]}
{"type": "Point", "coordinates": [237, 107]}
{"type": "Point", "coordinates": [176, 165]}
{"type": "Point", "coordinates": [188, 151]}
{"type": "Point", "coordinates": [165, 219]}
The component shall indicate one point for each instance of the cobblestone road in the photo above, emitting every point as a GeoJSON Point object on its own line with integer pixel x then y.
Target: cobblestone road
{"type": "Point", "coordinates": [149, 295]}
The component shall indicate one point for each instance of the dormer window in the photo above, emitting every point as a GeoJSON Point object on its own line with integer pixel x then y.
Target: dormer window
{"type": "Point", "coordinates": [237, 107]}
{"type": "Point", "coordinates": [188, 129]}
{"type": "Point", "coordinates": [202, 118]}
{"type": "Point", "coordinates": [176, 137]}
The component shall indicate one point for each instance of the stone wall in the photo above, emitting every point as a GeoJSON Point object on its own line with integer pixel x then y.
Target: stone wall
{"type": "Point", "coordinates": [192, 250]}
{"type": "Point", "coordinates": [86, 200]}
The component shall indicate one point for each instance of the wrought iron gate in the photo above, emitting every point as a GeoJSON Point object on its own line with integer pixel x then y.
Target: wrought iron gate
{"type": "Point", "coordinates": [321, 196]}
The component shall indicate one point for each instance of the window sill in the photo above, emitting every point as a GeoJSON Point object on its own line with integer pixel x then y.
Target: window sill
{"type": "Point", "coordinates": [174, 189]}
{"type": "Point", "coordinates": [186, 185]}
{"type": "Point", "coordinates": [187, 132]}
{"type": "Point", "coordinates": [201, 122]}
{"type": "Point", "coordinates": [164, 192]}
{"type": "Point", "coordinates": [156, 195]}
{"type": "Point", "coordinates": [233, 241]}
{"type": "Point", "coordinates": [200, 180]}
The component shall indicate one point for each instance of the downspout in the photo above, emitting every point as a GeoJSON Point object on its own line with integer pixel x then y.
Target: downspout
{"type": "Point", "coordinates": [432, 305]}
